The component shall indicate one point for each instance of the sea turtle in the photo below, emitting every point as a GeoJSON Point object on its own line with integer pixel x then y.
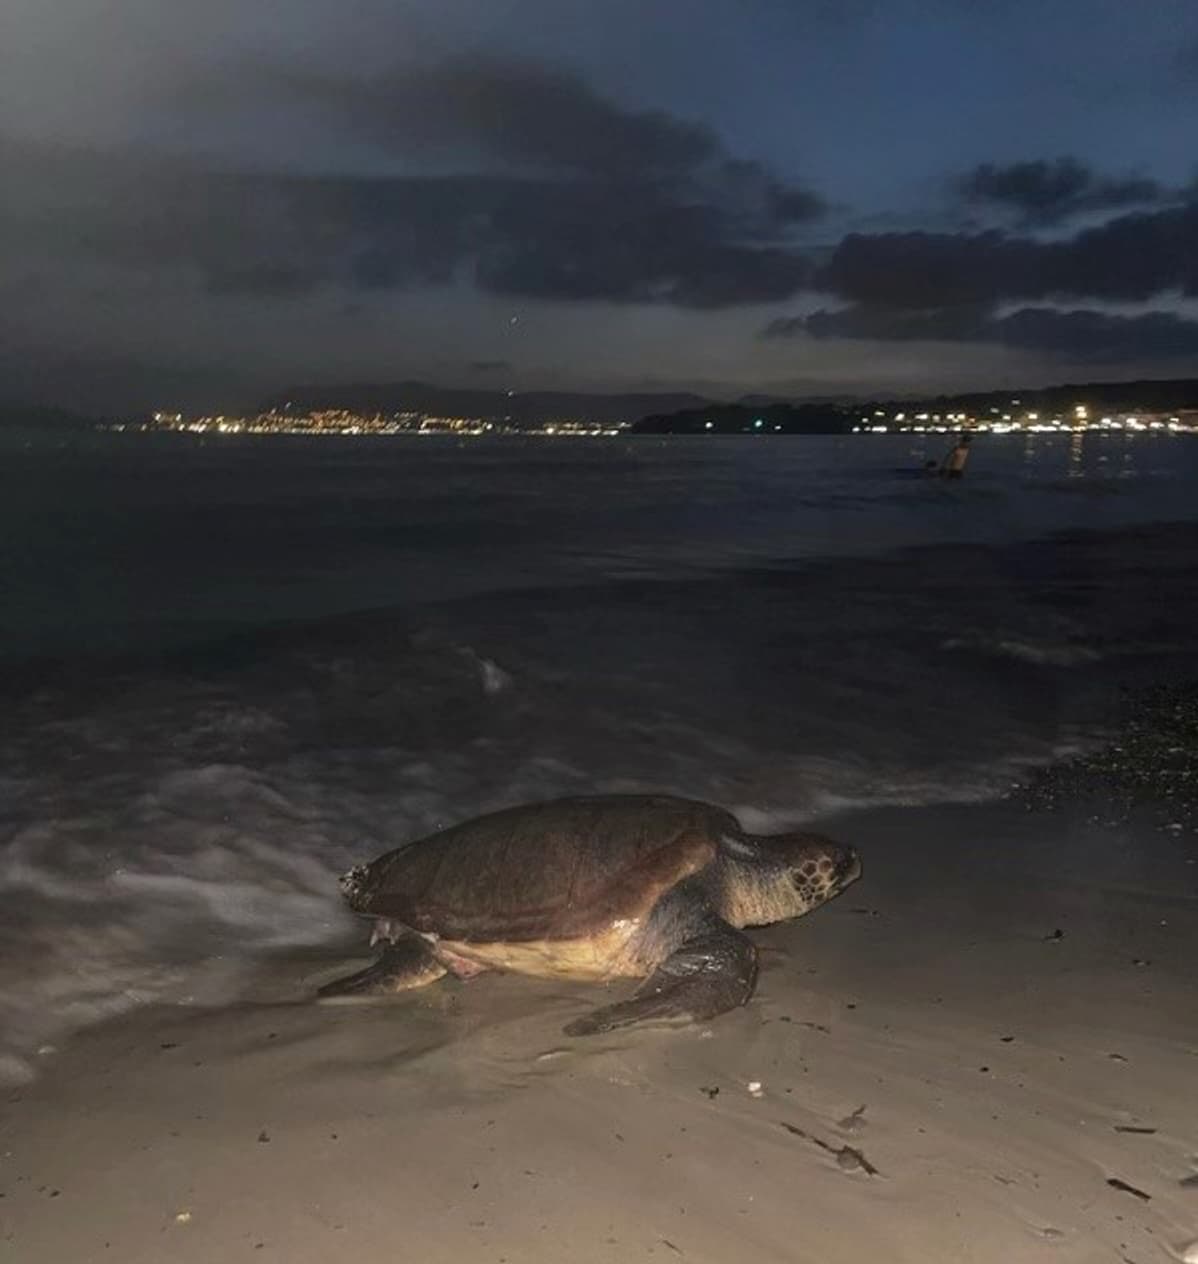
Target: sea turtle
{"type": "Point", "coordinates": [641, 886]}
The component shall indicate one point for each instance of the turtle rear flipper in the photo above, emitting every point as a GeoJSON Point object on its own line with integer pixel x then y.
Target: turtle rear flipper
{"type": "Point", "coordinates": [713, 971]}
{"type": "Point", "coordinates": [406, 963]}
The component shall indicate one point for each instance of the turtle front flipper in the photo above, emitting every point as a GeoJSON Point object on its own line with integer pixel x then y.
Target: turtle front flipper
{"type": "Point", "coordinates": [407, 963]}
{"type": "Point", "coordinates": [712, 971]}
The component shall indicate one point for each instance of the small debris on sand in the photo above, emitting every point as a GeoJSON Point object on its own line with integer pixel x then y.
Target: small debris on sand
{"type": "Point", "coordinates": [848, 1159]}
{"type": "Point", "coordinates": [1115, 1183]}
{"type": "Point", "coordinates": [755, 1088]}
{"type": "Point", "coordinates": [850, 1123]}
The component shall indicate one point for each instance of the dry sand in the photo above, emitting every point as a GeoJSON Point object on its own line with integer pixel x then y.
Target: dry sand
{"type": "Point", "coordinates": [930, 1025]}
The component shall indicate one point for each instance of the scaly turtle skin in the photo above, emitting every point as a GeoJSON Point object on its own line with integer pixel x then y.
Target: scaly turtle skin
{"type": "Point", "coordinates": [639, 886]}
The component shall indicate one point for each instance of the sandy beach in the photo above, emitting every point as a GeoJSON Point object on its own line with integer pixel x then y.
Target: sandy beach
{"type": "Point", "coordinates": [984, 1051]}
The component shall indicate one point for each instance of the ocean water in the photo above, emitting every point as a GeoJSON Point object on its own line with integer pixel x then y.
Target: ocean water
{"type": "Point", "coordinates": [229, 669]}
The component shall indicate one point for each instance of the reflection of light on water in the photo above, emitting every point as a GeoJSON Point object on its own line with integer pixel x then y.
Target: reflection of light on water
{"type": "Point", "coordinates": [1076, 442]}
{"type": "Point", "coordinates": [1029, 449]}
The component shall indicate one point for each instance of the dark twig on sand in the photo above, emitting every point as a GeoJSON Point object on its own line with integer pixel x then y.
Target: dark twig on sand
{"type": "Point", "coordinates": [847, 1157]}
{"type": "Point", "coordinates": [1115, 1183]}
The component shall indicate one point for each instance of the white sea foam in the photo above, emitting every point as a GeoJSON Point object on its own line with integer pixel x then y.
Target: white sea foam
{"type": "Point", "coordinates": [161, 897]}
{"type": "Point", "coordinates": [1029, 651]}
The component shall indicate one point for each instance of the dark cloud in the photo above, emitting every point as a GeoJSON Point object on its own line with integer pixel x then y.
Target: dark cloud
{"type": "Point", "coordinates": [564, 195]}
{"type": "Point", "coordinates": [282, 235]}
{"type": "Point", "coordinates": [953, 287]}
{"type": "Point", "coordinates": [599, 241]}
{"type": "Point", "coordinates": [523, 117]}
{"type": "Point", "coordinates": [522, 113]}
{"type": "Point", "coordinates": [609, 203]}
{"type": "Point", "coordinates": [920, 269]}
{"type": "Point", "coordinates": [1130, 258]}
{"type": "Point", "coordinates": [1079, 334]}
{"type": "Point", "coordinates": [1101, 335]}
{"type": "Point", "coordinates": [1046, 192]}
{"type": "Point", "coordinates": [949, 324]}
{"type": "Point", "coordinates": [491, 366]}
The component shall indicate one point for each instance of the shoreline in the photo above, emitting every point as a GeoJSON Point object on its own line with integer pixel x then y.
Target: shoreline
{"type": "Point", "coordinates": [998, 1076]}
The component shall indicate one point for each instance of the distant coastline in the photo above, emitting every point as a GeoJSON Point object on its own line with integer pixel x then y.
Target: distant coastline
{"type": "Point", "coordinates": [415, 408]}
{"type": "Point", "coordinates": [1141, 405]}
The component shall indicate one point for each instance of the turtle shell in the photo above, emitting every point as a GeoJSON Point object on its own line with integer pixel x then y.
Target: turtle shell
{"type": "Point", "coordinates": [564, 869]}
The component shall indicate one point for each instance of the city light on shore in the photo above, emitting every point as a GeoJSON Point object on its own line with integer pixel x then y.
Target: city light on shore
{"type": "Point", "coordinates": [999, 419]}
{"type": "Point", "coordinates": [348, 424]}
{"type": "Point", "coordinates": [995, 421]}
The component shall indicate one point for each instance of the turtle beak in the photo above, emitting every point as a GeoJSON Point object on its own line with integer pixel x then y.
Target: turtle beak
{"type": "Point", "coordinates": [849, 868]}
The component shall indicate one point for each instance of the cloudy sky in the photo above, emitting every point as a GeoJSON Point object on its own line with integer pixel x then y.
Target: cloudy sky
{"type": "Point", "coordinates": [201, 202]}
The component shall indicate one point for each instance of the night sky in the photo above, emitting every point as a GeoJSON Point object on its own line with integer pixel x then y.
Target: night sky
{"type": "Point", "coordinates": [202, 202]}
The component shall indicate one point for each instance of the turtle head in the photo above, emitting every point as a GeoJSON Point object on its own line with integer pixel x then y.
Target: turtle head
{"type": "Point", "coordinates": [354, 883]}
{"type": "Point", "coordinates": [817, 869]}
{"type": "Point", "coordinates": [781, 876]}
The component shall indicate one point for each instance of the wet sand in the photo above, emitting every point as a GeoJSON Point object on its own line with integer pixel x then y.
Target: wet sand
{"type": "Point", "coordinates": [986, 1050]}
